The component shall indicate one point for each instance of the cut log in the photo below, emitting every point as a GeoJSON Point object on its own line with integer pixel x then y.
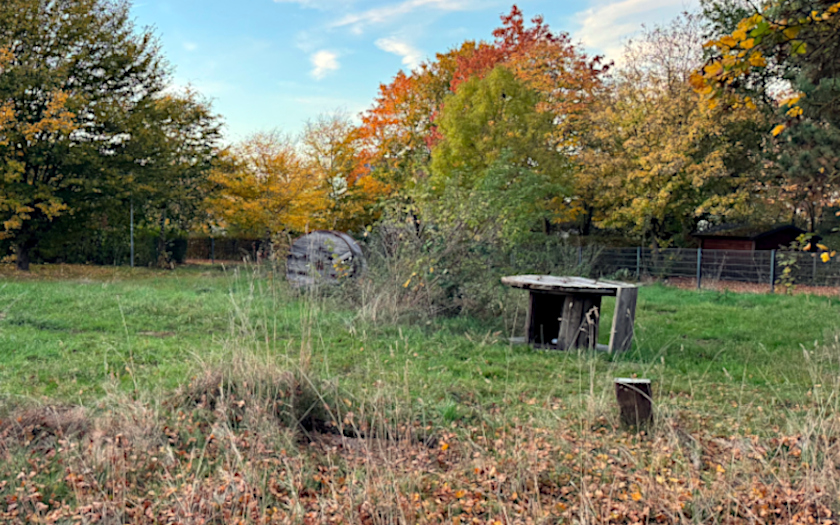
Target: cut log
{"type": "Point", "coordinates": [635, 401]}
{"type": "Point", "coordinates": [621, 334]}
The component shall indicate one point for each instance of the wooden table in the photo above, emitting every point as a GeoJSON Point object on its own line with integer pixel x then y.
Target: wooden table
{"type": "Point", "coordinates": [563, 312]}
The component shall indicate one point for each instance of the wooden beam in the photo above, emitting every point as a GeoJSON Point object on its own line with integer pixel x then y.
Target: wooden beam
{"type": "Point", "coordinates": [621, 334]}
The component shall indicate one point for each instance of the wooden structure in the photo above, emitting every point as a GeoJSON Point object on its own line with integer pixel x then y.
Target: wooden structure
{"type": "Point", "coordinates": [748, 238]}
{"type": "Point", "coordinates": [564, 312]}
{"type": "Point", "coordinates": [635, 401]}
{"type": "Point", "coordinates": [323, 257]}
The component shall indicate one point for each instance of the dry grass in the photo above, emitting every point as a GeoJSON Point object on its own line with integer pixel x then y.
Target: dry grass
{"type": "Point", "coordinates": [251, 443]}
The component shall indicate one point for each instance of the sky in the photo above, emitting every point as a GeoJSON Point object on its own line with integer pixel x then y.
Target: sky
{"type": "Point", "coordinates": [275, 64]}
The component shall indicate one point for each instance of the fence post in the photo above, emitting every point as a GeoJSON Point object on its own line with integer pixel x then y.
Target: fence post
{"type": "Point", "coordinates": [212, 250]}
{"type": "Point", "coordinates": [699, 264]}
{"type": "Point", "coordinates": [814, 271]}
{"type": "Point", "coordinates": [638, 262]}
{"type": "Point", "coordinates": [580, 256]}
{"type": "Point", "coordinates": [772, 271]}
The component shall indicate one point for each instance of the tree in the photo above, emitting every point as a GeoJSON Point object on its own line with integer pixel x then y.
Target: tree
{"type": "Point", "coordinates": [656, 158]}
{"type": "Point", "coordinates": [168, 159]}
{"type": "Point", "coordinates": [493, 122]}
{"type": "Point", "coordinates": [330, 149]}
{"type": "Point", "coordinates": [785, 56]}
{"type": "Point", "coordinates": [265, 188]}
{"type": "Point", "coordinates": [77, 80]}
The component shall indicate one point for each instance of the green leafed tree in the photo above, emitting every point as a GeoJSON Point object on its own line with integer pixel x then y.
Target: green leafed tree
{"type": "Point", "coordinates": [85, 121]}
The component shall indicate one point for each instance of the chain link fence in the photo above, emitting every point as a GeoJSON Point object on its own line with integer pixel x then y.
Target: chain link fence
{"type": "Point", "coordinates": [708, 267]}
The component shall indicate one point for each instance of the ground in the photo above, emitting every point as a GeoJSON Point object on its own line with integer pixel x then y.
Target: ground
{"type": "Point", "coordinates": [225, 394]}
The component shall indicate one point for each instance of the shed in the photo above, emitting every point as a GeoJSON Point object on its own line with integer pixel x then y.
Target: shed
{"type": "Point", "coordinates": [748, 237]}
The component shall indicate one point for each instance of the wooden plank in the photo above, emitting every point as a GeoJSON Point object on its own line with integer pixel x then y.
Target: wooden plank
{"type": "Point", "coordinates": [564, 285]}
{"type": "Point", "coordinates": [621, 334]}
{"type": "Point", "coordinates": [579, 325]}
{"type": "Point", "coordinates": [570, 322]}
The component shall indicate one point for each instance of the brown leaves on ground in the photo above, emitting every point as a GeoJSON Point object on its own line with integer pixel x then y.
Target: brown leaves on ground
{"type": "Point", "coordinates": [198, 464]}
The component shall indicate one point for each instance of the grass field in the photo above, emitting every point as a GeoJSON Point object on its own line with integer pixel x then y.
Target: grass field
{"type": "Point", "coordinates": [724, 365]}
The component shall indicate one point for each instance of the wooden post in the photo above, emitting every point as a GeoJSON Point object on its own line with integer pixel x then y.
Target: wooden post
{"type": "Point", "coordinates": [635, 401]}
{"type": "Point", "coordinates": [621, 334]}
{"type": "Point", "coordinates": [638, 263]}
{"type": "Point", "coordinates": [699, 265]}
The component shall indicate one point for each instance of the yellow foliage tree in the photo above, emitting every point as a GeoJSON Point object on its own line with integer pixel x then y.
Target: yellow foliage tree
{"type": "Point", "coordinates": [265, 188]}
{"type": "Point", "coordinates": [331, 151]}
{"type": "Point", "coordinates": [656, 158]}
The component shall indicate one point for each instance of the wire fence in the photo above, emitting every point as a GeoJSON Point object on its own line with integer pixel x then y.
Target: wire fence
{"type": "Point", "coordinates": [708, 267]}
{"type": "Point", "coordinates": [702, 268]}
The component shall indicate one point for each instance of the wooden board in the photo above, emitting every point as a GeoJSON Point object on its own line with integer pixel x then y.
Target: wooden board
{"type": "Point", "coordinates": [564, 285]}
{"type": "Point", "coordinates": [621, 334]}
{"type": "Point", "coordinates": [579, 324]}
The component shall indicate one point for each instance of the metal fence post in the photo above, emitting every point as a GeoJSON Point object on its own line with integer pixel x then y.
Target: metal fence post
{"type": "Point", "coordinates": [772, 271]}
{"type": "Point", "coordinates": [699, 264]}
{"type": "Point", "coordinates": [580, 256]}
{"type": "Point", "coordinates": [638, 262]}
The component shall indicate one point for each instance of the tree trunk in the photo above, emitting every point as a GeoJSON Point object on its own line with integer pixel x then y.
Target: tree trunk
{"type": "Point", "coordinates": [587, 220]}
{"type": "Point", "coordinates": [22, 256]}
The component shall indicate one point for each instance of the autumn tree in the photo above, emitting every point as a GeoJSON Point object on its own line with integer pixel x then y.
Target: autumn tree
{"type": "Point", "coordinates": [77, 80]}
{"type": "Point", "coordinates": [331, 151]}
{"type": "Point", "coordinates": [658, 158]}
{"type": "Point", "coordinates": [265, 188]}
{"type": "Point", "coordinates": [786, 55]}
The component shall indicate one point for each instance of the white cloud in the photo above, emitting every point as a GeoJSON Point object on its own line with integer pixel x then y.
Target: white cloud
{"type": "Point", "coordinates": [411, 56]}
{"type": "Point", "coordinates": [607, 26]}
{"type": "Point", "coordinates": [190, 46]}
{"type": "Point", "coordinates": [388, 13]}
{"type": "Point", "coordinates": [323, 61]}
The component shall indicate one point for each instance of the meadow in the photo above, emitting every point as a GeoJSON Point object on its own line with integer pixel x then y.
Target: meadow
{"type": "Point", "coordinates": [211, 393]}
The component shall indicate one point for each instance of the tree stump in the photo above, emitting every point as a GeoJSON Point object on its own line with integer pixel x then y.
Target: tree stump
{"type": "Point", "coordinates": [635, 401]}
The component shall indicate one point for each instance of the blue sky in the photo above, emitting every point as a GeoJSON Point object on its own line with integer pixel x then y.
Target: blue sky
{"type": "Point", "coordinates": [274, 64]}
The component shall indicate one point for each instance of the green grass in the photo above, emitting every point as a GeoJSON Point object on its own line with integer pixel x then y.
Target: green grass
{"type": "Point", "coordinates": [72, 339]}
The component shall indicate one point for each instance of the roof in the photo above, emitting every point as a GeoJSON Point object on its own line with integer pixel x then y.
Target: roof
{"type": "Point", "coordinates": [750, 232]}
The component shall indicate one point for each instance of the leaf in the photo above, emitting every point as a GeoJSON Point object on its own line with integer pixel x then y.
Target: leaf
{"type": "Point", "coordinates": [637, 496]}
{"type": "Point", "coordinates": [778, 129]}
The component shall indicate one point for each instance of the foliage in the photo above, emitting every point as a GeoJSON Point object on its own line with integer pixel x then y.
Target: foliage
{"type": "Point", "coordinates": [784, 57]}
{"type": "Point", "coordinates": [486, 120]}
{"type": "Point", "coordinates": [330, 151]}
{"type": "Point", "coordinates": [266, 188]}
{"type": "Point", "coordinates": [84, 120]}
{"type": "Point", "coordinates": [656, 158]}
{"type": "Point", "coordinates": [81, 92]}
